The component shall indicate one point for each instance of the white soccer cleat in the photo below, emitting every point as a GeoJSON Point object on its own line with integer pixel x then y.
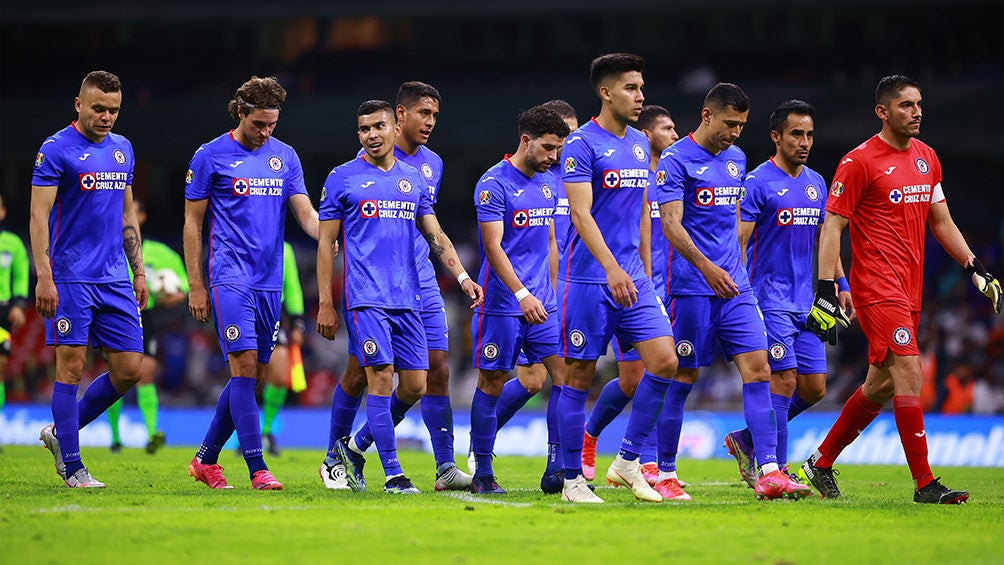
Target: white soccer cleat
{"type": "Point", "coordinates": [450, 477]}
{"type": "Point", "coordinates": [83, 479]}
{"type": "Point", "coordinates": [472, 462]}
{"type": "Point", "coordinates": [48, 438]}
{"type": "Point", "coordinates": [577, 490]}
{"type": "Point", "coordinates": [334, 476]}
{"type": "Point", "coordinates": [628, 474]}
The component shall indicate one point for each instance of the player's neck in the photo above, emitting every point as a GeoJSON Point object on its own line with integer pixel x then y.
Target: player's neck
{"type": "Point", "coordinates": [607, 121]}
{"type": "Point", "coordinates": [791, 169]}
{"type": "Point", "coordinates": [408, 147]}
{"type": "Point", "coordinates": [95, 139]}
{"type": "Point", "coordinates": [653, 163]}
{"type": "Point", "coordinates": [701, 137]}
{"type": "Point", "coordinates": [242, 138]}
{"type": "Point", "coordinates": [894, 140]}
{"type": "Point", "coordinates": [384, 163]}
{"type": "Point", "coordinates": [518, 160]}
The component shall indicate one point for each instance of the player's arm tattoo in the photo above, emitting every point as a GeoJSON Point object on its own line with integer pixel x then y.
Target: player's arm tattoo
{"type": "Point", "coordinates": [133, 248]}
{"type": "Point", "coordinates": [436, 242]}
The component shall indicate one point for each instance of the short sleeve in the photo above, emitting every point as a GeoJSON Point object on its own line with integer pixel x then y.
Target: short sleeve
{"type": "Point", "coordinates": [48, 165]}
{"type": "Point", "coordinates": [670, 178]}
{"type": "Point", "coordinates": [426, 199]}
{"type": "Point", "coordinates": [752, 203]}
{"type": "Point", "coordinates": [577, 156]}
{"type": "Point", "coordinates": [199, 179]}
{"type": "Point", "coordinates": [489, 201]}
{"type": "Point", "coordinates": [848, 187]}
{"type": "Point", "coordinates": [331, 197]}
{"type": "Point", "coordinates": [294, 176]}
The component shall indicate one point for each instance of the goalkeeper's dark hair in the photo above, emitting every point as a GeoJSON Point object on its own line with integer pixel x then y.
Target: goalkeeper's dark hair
{"type": "Point", "coordinates": [539, 121]}
{"type": "Point", "coordinates": [725, 94]}
{"type": "Point", "coordinates": [102, 80]}
{"type": "Point", "coordinates": [649, 114]}
{"type": "Point", "coordinates": [257, 94]}
{"type": "Point", "coordinates": [890, 87]}
{"type": "Point", "coordinates": [613, 64]}
{"type": "Point", "coordinates": [412, 91]}
{"type": "Point", "coordinates": [780, 114]}
{"type": "Point", "coordinates": [560, 107]}
{"type": "Point", "coordinates": [373, 106]}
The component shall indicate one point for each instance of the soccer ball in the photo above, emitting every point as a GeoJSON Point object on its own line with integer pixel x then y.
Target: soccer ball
{"type": "Point", "coordinates": [163, 281]}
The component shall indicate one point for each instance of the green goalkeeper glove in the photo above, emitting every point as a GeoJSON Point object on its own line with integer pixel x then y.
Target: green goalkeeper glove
{"type": "Point", "coordinates": [985, 283]}
{"type": "Point", "coordinates": [826, 313]}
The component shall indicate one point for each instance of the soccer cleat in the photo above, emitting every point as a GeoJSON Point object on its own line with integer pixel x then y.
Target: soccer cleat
{"type": "Point", "coordinates": [157, 441]}
{"type": "Point", "coordinates": [486, 484]}
{"type": "Point", "coordinates": [670, 489]}
{"type": "Point", "coordinates": [48, 438]}
{"type": "Point", "coordinates": [450, 477]}
{"type": "Point", "coordinates": [821, 478]}
{"type": "Point", "coordinates": [795, 477]}
{"type": "Point", "coordinates": [270, 445]}
{"type": "Point", "coordinates": [211, 475]}
{"type": "Point", "coordinates": [651, 473]}
{"type": "Point", "coordinates": [744, 455]}
{"type": "Point", "coordinates": [551, 483]}
{"type": "Point", "coordinates": [937, 493]}
{"type": "Point", "coordinates": [588, 456]}
{"type": "Point", "coordinates": [333, 475]}
{"type": "Point", "coordinates": [354, 463]}
{"type": "Point", "coordinates": [577, 490]}
{"type": "Point", "coordinates": [115, 447]}
{"type": "Point", "coordinates": [83, 479]}
{"type": "Point", "coordinates": [779, 485]}
{"type": "Point", "coordinates": [263, 480]}
{"type": "Point", "coordinates": [628, 474]}
{"type": "Point", "coordinates": [400, 485]}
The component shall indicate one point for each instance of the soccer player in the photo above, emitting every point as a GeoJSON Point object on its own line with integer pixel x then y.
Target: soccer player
{"type": "Point", "coordinates": [603, 289]}
{"type": "Point", "coordinates": [277, 373]}
{"type": "Point", "coordinates": [779, 222]}
{"type": "Point", "coordinates": [168, 284]}
{"type": "Point", "coordinates": [83, 179]}
{"type": "Point", "coordinates": [887, 189]}
{"type": "Point", "coordinates": [13, 293]}
{"type": "Point", "coordinates": [382, 204]}
{"type": "Point", "coordinates": [514, 200]}
{"type": "Point", "coordinates": [246, 179]}
{"type": "Point", "coordinates": [658, 126]}
{"type": "Point", "coordinates": [698, 187]}
{"type": "Point", "coordinates": [417, 113]}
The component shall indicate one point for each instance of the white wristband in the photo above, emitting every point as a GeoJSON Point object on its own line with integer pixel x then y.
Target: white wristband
{"type": "Point", "coordinates": [521, 294]}
{"type": "Point", "coordinates": [463, 277]}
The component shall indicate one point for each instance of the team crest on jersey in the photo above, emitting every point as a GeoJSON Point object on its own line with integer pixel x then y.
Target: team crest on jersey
{"type": "Point", "coordinates": [404, 185]}
{"type": "Point", "coordinates": [784, 217]}
{"type": "Point", "coordinates": [611, 178]}
{"type": "Point", "coordinates": [660, 177]}
{"type": "Point", "coordinates": [427, 171]}
{"type": "Point", "coordinates": [836, 189]}
{"type": "Point", "coordinates": [485, 197]}
{"type": "Point", "coordinates": [119, 156]}
{"type": "Point", "coordinates": [189, 176]}
{"type": "Point", "coordinates": [922, 166]}
{"type": "Point", "coordinates": [895, 196]}
{"type": "Point", "coordinates": [705, 197]}
{"type": "Point", "coordinates": [684, 348]}
{"type": "Point", "coordinates": [39, 159]}
{"type": "Point", "coordinates": [275, 163]}
{"type": "Point", "coordinates": [490, 351]}
{"type": "Point", "coordinates": [87, 181]}
{"type": "Point", "coordinates": [811, 193]}
{"type": "Point", "coordinates": [240, 187]}
{"type": "Point", "coordinates": [570, 164]}
{"type": "Point", "coordinates": [370, 347]}
{"type": "Point", "coordinates": [63, 325]}
{"type": "Point", "coordinates": [369, 209]}
{"type": "Point", "coordinates": [546, 191]}
{"type": "Point", "coordinates": [901, 336]}
{"type": "Point", "coordinates": [777, 352]}
{"type": "Point", "coordinates": [520, 219]}
{"type": "Point", "coordinates": [576, 338]}
{"type": "Point", "coordinates": [638, 152]}
{"type": "Point", "coordinates": [732, 169]}
{"type": "Point", "coordinates": [232, 332]}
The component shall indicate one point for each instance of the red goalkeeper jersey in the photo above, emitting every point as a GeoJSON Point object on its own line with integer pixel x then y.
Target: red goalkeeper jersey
{"type": "Point", "coordinates": [886, 194]}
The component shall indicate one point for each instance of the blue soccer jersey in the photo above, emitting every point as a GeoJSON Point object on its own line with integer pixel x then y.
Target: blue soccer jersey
{"type": "Point", "coordinates": [709, 186]}
{"type": "Point", "coordinates": [779, 253]}
{"type": "Point", "coordinates": [562, 219]}
{"type": "Point", "coordinates": [524, 205]}
{"type": "Point", "coordinates": [247, 192]}
{"type": "Point", "coordinates": [85, 225]}
{"type": "Point", "coordinates": [378, 210]}
{"type": "Point", "coordinates": [617, 169]}
{"type": "Point", "coordinates": [660, 246]}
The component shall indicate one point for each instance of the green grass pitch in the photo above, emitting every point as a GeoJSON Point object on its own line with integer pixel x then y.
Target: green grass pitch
{"type": "Point", "coordinates": [152, 512]}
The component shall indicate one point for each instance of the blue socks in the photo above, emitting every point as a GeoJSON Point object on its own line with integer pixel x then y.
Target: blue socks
{"type": "Point", "coordinates": [571, 424]}
{"type": "Point", "coordinates": [611, 402]}
{"type": "Point", "coordinates": [648, 400]}
{"type": "Point", "coordinates": [66, 416]}
{"type": "Point", "coordinates": [780, 404]}
{"type": "Point", "coordinates": [514, 396]}
{"type": "Point", "coordinates": [554, 463]}
{"type": "Point", "coordinates": [484, 425]}
{"type": "Point", "coordinates": [220, 430]}
{"type": "Point", "coordinates": [671, 424]}
{"type": "Point", "coordinates": [244, 411]}
{"type": "Point", "coordinates": [365, 436]}
{"type": "Point", "coordinates": [343, 413]}
{"type": "Point", "coordinates": [797, 406]}
{"type": "Point", "coordinates": [760, 420]}
{"type": "Point", "coordinates": [378, 416]}
{"type": "Point", "coordinates": [438, 417]}
{"type": "Point", "coordinates": [98, 397]}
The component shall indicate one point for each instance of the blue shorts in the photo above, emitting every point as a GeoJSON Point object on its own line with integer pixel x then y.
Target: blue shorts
{"type": "Point", "coordinates": [499, 338]}
{"type": "Point", "coordinates": [104, 314]}
{"type": "Point", "coordinates": [698, 320]}
{"type": "Point", "coordinates": [246, 319]}
{"type": "Point", "coordinates": [625, 353]}
{"type": "Point", "coordinates": [590, 318]}
{"type": "Point", "coordinates": [437, 331]}
{"type": "Point", "coordinates": [380, 336]}
{"type": "Point", "coordinates": [791, 345]}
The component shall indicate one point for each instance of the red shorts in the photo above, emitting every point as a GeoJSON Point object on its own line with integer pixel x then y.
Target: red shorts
{"type": "Point", "coordinates": [889, 326]}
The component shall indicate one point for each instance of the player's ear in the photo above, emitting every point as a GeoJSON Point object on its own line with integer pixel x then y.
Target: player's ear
{"type": "Point", "coordinates": [882, 112]}
{"type": "Point", "coordinates": [706, 115]}
{"type": "Point", "coordinates": [76, 103]}
{"type": "Point", "coordinates": [775, 136]}
{"type": "Point", "coordinates": [400, 111]}
{"type": "Point", "coordinates": [604, 91]}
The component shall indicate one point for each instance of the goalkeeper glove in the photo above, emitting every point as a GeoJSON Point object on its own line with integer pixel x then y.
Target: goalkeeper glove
{"type": "Point", "coordinates": [985, 283]}
{"type": "Point", "coordinates": [826, 313]}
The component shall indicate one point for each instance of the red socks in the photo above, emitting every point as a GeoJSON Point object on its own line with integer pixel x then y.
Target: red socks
{"type": "Point", "coordinates": [857, 413]}
{"type": "Point", "coordinates": [910, 423]}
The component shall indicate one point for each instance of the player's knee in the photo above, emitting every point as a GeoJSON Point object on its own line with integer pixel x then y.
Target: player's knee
{"type": "Point", "coordinates": [411, 391]}
{"type": "Point", "coordinates": [813, 392]}
{"type": "Point", "coordinates": [438, 377]}
{"type": "Point", "coordinates": [666, 367]}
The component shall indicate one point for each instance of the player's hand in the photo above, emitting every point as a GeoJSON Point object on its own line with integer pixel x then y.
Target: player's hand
{"type": "Point", "coordinates": [474, 291]}
{"type": "Point", "coordinates": [985, 283]}
{"type": "Point", "coordinates": [826, 313]}
{"type": "Point", "coordinates": [141, 292]}
{"type": "Point", "coordinates": [847, 304]}
{"type": "Point", "coordinates": [533, 311]}
{"type": "Point", "coordinates": [198, 303]}
{"type": "Point", "coordinates": [16, 317]}
{"type": "Point", "coordinates": [720, 281]}
{"type": "Point", "coordinates": [334, 249]}
{"type": "Point", "coordinates": [327, 321]}
{"type": "Point", "coordinates": [622, 288]}
{"type": "Point", "coordinates": [46, 297]}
